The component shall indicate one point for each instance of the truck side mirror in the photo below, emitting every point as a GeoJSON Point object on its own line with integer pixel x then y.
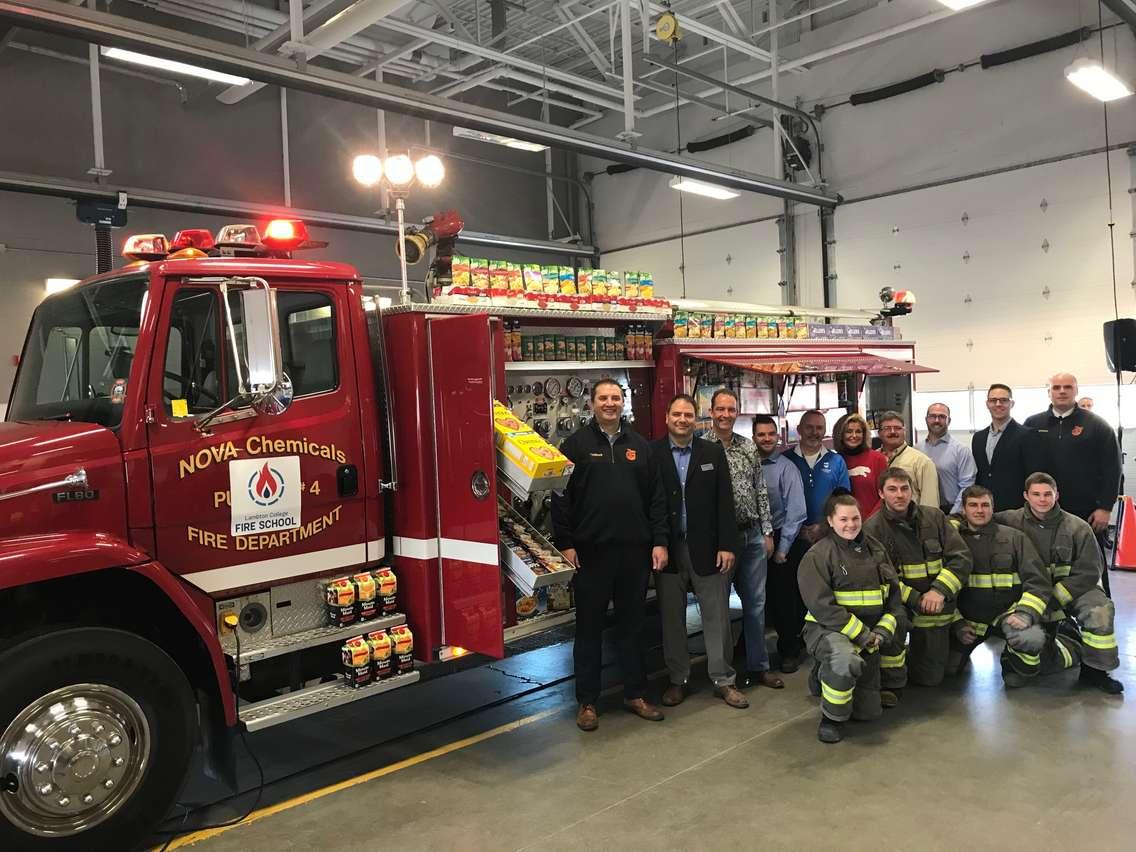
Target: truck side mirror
{"type": "Point", "coordinates": [267, 384]}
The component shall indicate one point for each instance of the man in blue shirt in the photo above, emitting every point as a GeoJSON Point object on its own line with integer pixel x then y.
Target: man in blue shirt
{"type": "Point", "coordinates": [787, 505]}
{"type": "Point", "coordinates": [952, 459]}
{"type": "Point", "coordinates": [822, 470]}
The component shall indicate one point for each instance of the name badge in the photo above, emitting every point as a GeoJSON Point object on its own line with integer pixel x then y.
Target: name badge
{"type": "Point", "coordinates": [708, 466]}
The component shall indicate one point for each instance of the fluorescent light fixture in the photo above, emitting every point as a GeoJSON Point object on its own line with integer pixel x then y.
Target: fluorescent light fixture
{"type": "Point", "coordinates": [56, 285]}
{"type": "Point", "coordinates": [683, 184]}
{"type": "Point", "coordinates": [959, 5]}
{"type": "Point", "coordinates": [173, 67]}
{"type": "Point", "coordinates": [1092, 77]}
{"type": "Point", "coordinates": [498, 139]}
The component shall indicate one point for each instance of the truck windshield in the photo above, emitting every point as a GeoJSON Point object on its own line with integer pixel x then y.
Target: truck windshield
{"type": "Point", "coordinates": [76, 362]}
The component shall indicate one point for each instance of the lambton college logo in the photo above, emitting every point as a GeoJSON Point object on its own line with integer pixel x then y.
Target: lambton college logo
{"type": "Point", "coordinates": [266, 486]}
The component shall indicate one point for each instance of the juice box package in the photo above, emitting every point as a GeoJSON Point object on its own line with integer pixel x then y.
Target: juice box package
{"type": "Point", "coordinates": [567, 277]}
{"type": "Point", "coordinates": [516, 278]}
{"type": "Point", "coordinates": [403, 641]}
{"type": "Point", "coordinates": [459, 271]}
{"type": "Point", "coordinates": [382, 654]}
{"type": "Point", "coordinates": [614, 285]}
{"type": "Point", "coordinates": [534, 282]}
{"type": "Point", "coordinates": [751, 327]}
{"type": "Point", "coordinates": [729, 328]}
{"type": "Point", "coordinates": [356, 662]}
{"type": "Point", "coordinates": [387, 591]}
{"type": "Point", "coordinates": [719, 326]}
{"type": "Point", "coordinates": [646, 285]}
{"type": "Point", "coordinates": [479, 273]}
{"type": "Point", "coordinates": [498, 275]}
{"type": "Point", "coordinates": [680, 324]}
{"type": "Point", "coordinates": [584, 282]}
{"type": "Point", "coordinates": [631, 285]}
{"type": "Point", "coordinates": [340, 596]}
{"type": "Point", "coordinates": [551, 277]}
{"type": "Point", "coordinates": [366, 595]}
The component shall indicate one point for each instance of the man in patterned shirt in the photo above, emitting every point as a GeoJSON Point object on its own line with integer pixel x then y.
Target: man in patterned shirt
{"type": "Point", "coordinates": [755, 532]}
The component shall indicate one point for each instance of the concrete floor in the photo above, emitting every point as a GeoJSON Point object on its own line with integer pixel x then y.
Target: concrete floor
{"type": "Point", "coordinates": [967, 766]}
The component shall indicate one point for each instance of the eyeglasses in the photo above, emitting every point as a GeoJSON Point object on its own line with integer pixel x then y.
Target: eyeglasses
{"type": "Point", "coordinates": [892, 428]}
{"type": "Point", "coordinates": [938, 417]}
{"type": "Point", "coordinates": [998, 400]}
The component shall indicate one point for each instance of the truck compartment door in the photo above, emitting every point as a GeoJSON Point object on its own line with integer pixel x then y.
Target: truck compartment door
{"type": "Point", "coordinates": [465, 458]}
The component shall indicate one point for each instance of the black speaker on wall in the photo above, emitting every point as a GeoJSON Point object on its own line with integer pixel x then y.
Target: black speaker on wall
{"type": "Point", "coordinates": [1120, 344]}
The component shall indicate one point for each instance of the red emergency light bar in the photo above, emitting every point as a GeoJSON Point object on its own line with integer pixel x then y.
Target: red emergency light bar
{"type": "Point", "coordinates": [198, 238]}
{"type": "Point", "coordinates": [146, 247]}
{"type": "Point", "coordinates": [281, 236]}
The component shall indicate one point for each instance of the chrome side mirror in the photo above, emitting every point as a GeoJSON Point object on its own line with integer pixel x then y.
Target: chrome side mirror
{"type": "Point", "coordinates": [274, 400]}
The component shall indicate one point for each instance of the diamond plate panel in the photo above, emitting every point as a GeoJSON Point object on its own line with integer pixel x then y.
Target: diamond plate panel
{"type": "Point", "coordinates": [265, 714]}
{"type": "Point", "coordinates": [297, 607]}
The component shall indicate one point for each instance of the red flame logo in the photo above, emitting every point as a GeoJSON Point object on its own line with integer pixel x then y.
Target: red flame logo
{"type": "Point", "coordinates": [266, 485]}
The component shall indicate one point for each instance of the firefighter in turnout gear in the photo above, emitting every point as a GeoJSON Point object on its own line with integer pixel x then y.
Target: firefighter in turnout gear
{"type": "Point", "coordinates": [933, 564]}
{"type": "Point", "coordinates": [1069, 549]}
{"type": "Point", "coordinates": [1006, 595]}
{"type": "Point", "coordinates": [854, 609]}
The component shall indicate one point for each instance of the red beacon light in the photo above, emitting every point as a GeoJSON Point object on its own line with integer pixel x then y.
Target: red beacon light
{"type": "Point", "coordinates": [143, 247]}
{"type": "Point", "coordinates": [195, 238]}
{"type": "Point", "coordinates": [283, 235]}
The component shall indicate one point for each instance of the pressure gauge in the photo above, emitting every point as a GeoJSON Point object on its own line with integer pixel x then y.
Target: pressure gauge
{"type": "Point", "coordinates": [538, 388]}
{"type": "Point", "coordinates": [575, 387]}
{"type": "Point", "coordinates": [552, 387]}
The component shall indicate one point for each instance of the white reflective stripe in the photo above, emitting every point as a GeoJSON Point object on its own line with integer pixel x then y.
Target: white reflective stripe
{"type": "Point", "coordinates": [416, 548]}
{"type": "Point", "coordinates": [471, 551]}
{"type": "Point", "coordinates": [376, 550]}
{"type": "Point", "coordinates": [280, 568]}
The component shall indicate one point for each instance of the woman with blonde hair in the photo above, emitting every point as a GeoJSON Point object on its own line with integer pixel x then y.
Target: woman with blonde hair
{"type": "Point", "coordinates": [852, 439]}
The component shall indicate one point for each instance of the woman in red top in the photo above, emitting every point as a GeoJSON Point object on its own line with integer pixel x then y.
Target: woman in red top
{"type": "Point", "coordinates": [850, 438]}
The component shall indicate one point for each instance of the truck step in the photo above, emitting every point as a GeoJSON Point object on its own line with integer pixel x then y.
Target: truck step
{"type": "Point", "coordinates": [315, 699]}
{"type": "Point", "coordinates": [311, 638]}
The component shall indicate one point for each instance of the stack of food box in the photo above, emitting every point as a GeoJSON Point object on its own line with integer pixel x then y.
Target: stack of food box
{"type": "Point", "coordinates": [688, 324]}
{"type": "Point", "coordinates": [528, 461]}
{"type": "Point", "coordinates": [632, 343]}
{"type": "Point", "coordinates": [537, 570]}
{"type": "Point", "coordinates": [500, 282]}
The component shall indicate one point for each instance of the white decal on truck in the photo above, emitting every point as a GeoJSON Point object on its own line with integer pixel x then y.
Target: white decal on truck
{"type": "Point", "coordinates": [265, 495]}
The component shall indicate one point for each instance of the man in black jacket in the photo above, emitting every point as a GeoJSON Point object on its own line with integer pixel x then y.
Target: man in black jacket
{"type": "Point", "coordinates": [1005, 451]}
{"type": "Point", "coordinates": [703, 547]}
{"type": "Point", "coordinates": [611, 523]}
{"type": "Point", "coordinates": [1079, 450]}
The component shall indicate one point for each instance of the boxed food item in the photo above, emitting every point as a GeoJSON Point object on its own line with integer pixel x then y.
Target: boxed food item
{"type": "Point", "coordinates": [340, 596]}
{"type": "Point", "coordinates": [356, 662]}
{"type": "Point", "coordinates": [646, 285]}
{"type": "Point", "coordinates": [387, 590]}
{"type": "Point", "coordinates": [631, 285]}
{"type": "Point", "coordinates": [479, 273]}
{"type": "Point", "coordinates": [550, 275]}
{"type": "Point", "coordinates": [516, 278]}
{"type": "Point", "coordinates": [584, 282]}
{"type": "Point", "coordinates": [855, 332]}
{"type": "Point", "coordinates": [559, 597]}
{"type": "Point", "coordinates": [719, 328]}
{"type": "Point", "coordinates": [460, 271]}
{"type": "Point", "coordinates": [567, 281]}
{"type": "Point", "coordinates": [498, 275]}
{"type": "Point", "coordinates": [382, 654]}
{"type": "Point", "coordinates": [751, 326]}
{"type": "Point", "coordinates": [680, 319]}
{"type": "Point", "coordinates": [534, 282]}
{"type": "Point", "coordinates": [614, 285]}
{"type": "Point", "coordinates": [818, 331]}
{"type": "Point", "coordinates": [366, 595]}
{"type": "Point", "coordinates": [403, 641]}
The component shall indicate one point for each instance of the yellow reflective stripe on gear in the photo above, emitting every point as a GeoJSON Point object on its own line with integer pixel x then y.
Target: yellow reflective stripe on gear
{"type": "Point", "coordinates": [1032, 601]}
{"type": "Point", "coordinates": [833, 695]}
{"type": "Point", "coordinates": [1058, 571]}
{"type": "Point", "coordinates": [949, 579]}
{"type": "Point", "coordinates": [934, 566]}
{"type": "Point", "coordinates": [977, 626]}
{"type": "Point", "coordinates": [887, 621]}
{"type": "Point", "coordinates": [894, 662]}
{"type": "Point", "coordinates": [1028, 659]}
{"type": "Point", "coordinates": [934, 620]}
{"type": "Point", "coordinates": [1062, 594]}
{"type": "Point", "coordinates": [809, 617]}
{"type": "Point", "coordinates": [853, 628]}
{"type": "Point", "coordinates": [866, 597]}
{"type": "Point", "coordinates": [1099, 641]}
{"type": "Point", "coordinates": [1065, 655]}
{"type": "Point", "coordinates": [905, 591]}
{"type": "Point", "coordinates": [993, 581]}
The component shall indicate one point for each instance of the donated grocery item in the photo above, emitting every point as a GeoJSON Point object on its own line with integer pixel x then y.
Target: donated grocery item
{"type": "Point", "coordinates": [646, 285]}
{"type": "Point", "coordinates": [729, 328]}
{"type": "Point", "coordinates": [548, 346]}
{"type": "Point", "coordinates": [707, 325]}
{"type": "Point", "coordinates": [341, 602]}
{"type": "Point", "coordinates": [527, 348]}
{"type": "Point", "coordinates": [532, 454]}
{"type": "Point", "coordinates": [498, 275]}
{"type": "Point", "coordinates": [680, 324]}
{"type": "Point", "coordinates": [526, 606]}
{"type": "Point", "coordinates": [382, 654]}
{"type": "Point", "coordinates": [559, 598]}
{"type": "Point", "coordinates": [567, 281]}
{"type": "Point", "coordinates": [403, 641]}
{"type": "Point", "coordinates": [551, 277]}
{"type": "Point", "coordinates": [631, 285]}
{"type": "Point", "coordinates": [599, 282]}
{"type": "Point", "coordinates": [719, 326]}
{"type": "Point", "coordinates": [534, 282]}
{"type": "Point", "coordinates": [365, 596]}
{"type": "Point", "coordinates": [751, 327]}
{"type": "Point", "coordinates": [783, 326]}
{"type": "Point", "coordinates": [479, 273]}
{"type": "Point", "coordinates": [356, 662]}
{"type": "Point", "coordinates": [584, 282]}
{"type": "Point", "coordinates": [802, 329]}
{"type": "Point", "coordinates": [614, 286]}
{"type": "Point", "coordinates": [387, 584]}
{"type": "Point", "coordinates": [459, 271]}
{"type": "Point", "coordinates": [771, 325]}
{"type": "Point", "coordinates": [560, 345]}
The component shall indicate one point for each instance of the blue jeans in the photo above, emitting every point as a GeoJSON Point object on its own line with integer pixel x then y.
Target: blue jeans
{"type": "Point", "coordinates": [749, 580]}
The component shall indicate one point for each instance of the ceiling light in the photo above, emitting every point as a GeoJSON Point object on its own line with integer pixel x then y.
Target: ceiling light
{"type": "Point", "coordinates": [698, 187]}
{"type": "Point", "coordinates": [498, 139]}
{"type": "Point", "coordinates": [56, 285]}
{"type": "Point", "coordinates": [174, 67]}
{"type": "Point", "coordinates": [959, 5]}
{"type": "Point", "coordinates": [1092, 77]}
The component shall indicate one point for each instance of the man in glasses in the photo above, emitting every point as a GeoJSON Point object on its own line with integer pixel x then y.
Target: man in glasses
{"type": "Point", "coordinates": [1004, 451]}
{"type": "Point", "coordinates": [893, 444]}
{"type": "Point", "coordinates": [952, 459]}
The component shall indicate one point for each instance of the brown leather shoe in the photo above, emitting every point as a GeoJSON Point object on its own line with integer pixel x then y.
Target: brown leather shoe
{"type": "Point", "coordinates": [641, 708]}
{"type": "Point", "coordinates": [674, 695]}
{"type": "Point", "coordinates": [732, 696]}
{"type": "Point", "coordinates": [586, 719]}
{"type": "Point", "coordinates": [769, 679]}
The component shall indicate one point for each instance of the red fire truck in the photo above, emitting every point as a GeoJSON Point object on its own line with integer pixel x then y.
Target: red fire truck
{"type": "Point", "coordinates": [195, 445]}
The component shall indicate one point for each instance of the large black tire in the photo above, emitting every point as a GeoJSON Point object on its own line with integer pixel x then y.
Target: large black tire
{"type": "Point", "coordinates": [95, 662]}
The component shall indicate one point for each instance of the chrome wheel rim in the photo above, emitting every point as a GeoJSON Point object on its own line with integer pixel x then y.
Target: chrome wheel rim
{"type": "Point", "coordinates": [72, 758]}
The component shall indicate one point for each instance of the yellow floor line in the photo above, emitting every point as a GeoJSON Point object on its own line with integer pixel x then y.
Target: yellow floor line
{"type": "Point", "coordinates": [206, 834]}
